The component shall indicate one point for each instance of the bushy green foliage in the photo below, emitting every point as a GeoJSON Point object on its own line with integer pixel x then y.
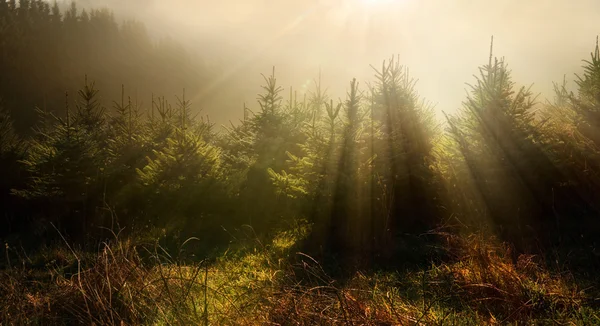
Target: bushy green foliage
{"type": "Point", "coordinates": [89, 163]}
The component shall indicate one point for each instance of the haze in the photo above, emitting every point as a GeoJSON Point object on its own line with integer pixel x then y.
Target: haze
{"type": "Point", "coordinates": [442, 42]}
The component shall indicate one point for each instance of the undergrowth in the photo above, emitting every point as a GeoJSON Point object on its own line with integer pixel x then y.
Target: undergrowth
{"type": "Point", "coordinates": [272, 284]}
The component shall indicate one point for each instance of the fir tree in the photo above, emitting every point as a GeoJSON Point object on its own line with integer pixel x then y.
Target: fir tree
{"type": "Point", "coordinates": [184, 172]}
{"type": "Point", "coordinates": [64, 166]}
{"type": "Point", "coordinates": [496, 133]}
{"type": "Point", "coordinates": [587, 102]}
{"type": "Point", "coordinates": [404, 151]}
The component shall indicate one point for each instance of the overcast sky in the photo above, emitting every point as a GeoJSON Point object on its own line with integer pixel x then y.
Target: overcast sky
{"type": "Point", "coordinates": [441, 41]}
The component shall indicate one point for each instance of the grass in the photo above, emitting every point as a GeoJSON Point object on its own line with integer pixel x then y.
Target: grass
{"type": "Point", "coordinates": [271, 284]}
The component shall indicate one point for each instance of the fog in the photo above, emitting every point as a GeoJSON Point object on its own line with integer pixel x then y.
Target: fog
{"type": "Point", "coordinates": [442, 42]}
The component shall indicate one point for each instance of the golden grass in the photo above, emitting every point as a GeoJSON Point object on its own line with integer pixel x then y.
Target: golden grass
{"type": "Point", "coordinates": [484, 277]}
{"type": "Point", "coordinates": [262, 285]}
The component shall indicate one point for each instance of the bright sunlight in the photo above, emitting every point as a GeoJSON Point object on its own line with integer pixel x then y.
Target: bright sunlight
{"type": "Point", "coordinates": [299, 162]}
{"type": "Point", "coordinates": [380, 2]}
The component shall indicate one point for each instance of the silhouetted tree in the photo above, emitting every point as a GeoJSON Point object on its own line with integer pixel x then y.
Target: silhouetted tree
{"type": "Point", "coordinates": [497, 134]}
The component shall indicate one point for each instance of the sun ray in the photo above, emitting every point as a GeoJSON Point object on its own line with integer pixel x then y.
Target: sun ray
{"type": "Point", "coordinates": [287, 28]}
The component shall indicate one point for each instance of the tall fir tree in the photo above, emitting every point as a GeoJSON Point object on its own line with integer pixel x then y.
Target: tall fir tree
{"type": "Point", "coordinates": [496, 133]}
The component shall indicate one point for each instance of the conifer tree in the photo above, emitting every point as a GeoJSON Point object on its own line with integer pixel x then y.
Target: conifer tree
{"type": "Point", "coordinates": [258, 148]}
{"type": "Point", "coordinates": [90, 115]}
{"type": "Point", "coordinates": [128, 143]}
{"type": "Point", "coordinates": [497, 134]}
{"type": "Point", "coordinates": [587, 102]}
{"type": "Point", "coordinates": [571, 123]}
{"type": "Point", "coordinates": [184, 173]}
{"type": "Point", "coordinates": [404, 151]}
{"type": "Point", "coordinates": [64, 165]}
{"type": "Point", "coordinates": [310, 171]}
{"type": "Point", "coordinates": [345, 226]}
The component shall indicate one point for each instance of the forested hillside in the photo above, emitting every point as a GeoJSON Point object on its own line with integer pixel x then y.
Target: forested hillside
{"type": "Point", "coordinates": [364, 210]}
{"type": "Point", "coordinates": [46, 52]}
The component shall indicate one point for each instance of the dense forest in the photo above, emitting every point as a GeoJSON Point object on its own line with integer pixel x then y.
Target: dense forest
{"type": "Point", "coordinates": [365, 210]}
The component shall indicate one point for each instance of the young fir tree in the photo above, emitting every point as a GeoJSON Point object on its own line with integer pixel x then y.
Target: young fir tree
{"type": "Point", "coordinates": [587, 101]}
{"type": "Point", "coordinates": [183, 176]}
{"type": "Point", "coordinates": [128, 144]}
{"type": "Point", "coordinates": [571, 123]}
{"type": "Point", "coordinates": [496, 133]}
{"type": "Point", "coordinates": [346, 233]}
{"type": "Point", "coordinates": [311, 171]}
{"type": "Point", "coordinates": [257, 151]}
{"type": "Point", "coordinates": [313, 166]}
{"type": "Point", "coordinates": [65, 164]}
{"type": "Point", "coordinates": [404, 154]}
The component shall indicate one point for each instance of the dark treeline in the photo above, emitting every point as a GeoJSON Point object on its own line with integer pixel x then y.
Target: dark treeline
{"type": "Point", "coordinates": [46, 50]}
{"type": "Point", "coordinates": [365, 171]}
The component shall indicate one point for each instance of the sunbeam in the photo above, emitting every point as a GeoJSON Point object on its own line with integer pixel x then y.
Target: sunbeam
{"type": "Point", "coordinates": [282, 162]}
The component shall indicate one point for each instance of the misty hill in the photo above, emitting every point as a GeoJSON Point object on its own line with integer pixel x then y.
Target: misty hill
{"type": "Point", "coordinates": [47, 52]}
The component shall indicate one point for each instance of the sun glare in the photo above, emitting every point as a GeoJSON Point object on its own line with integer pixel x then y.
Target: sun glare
{"type": "Point", "coordinates": [378, 2]}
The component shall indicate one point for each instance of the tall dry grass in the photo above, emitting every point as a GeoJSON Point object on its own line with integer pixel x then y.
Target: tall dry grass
{"type": "Point", "coordinates": [272, 284]}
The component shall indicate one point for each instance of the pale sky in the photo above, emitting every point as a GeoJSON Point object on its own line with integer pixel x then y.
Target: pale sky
{"type": "Point", "coordinates": [441, 41]}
